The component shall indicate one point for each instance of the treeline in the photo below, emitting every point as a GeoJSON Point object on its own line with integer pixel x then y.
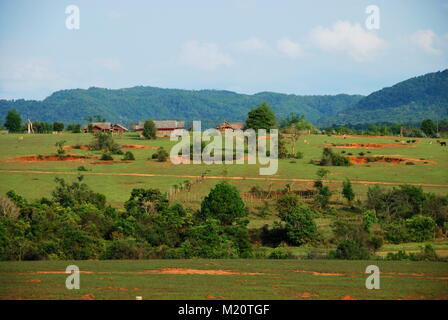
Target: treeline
{"type": "Point", "coordinates": [14, 123]}
{"type": "Point", "coordinates": [425, 128]}
{"type": "Point", "coordinates": [139, 103]}
{"type": "Point", "coordinates": [76, 223]}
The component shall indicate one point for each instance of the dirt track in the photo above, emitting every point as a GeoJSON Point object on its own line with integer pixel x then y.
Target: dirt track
{"type": "Point", "coordinates": [364, 182]}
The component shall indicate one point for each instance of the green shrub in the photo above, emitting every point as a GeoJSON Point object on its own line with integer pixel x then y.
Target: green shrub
{"type": "Point", "coordinates": [129, 156]}
{"type": "Point", "coordinates": [396, 232]}
{"type": "Point", "coordinates": [420, 228]}
{"type": "Point", "coordinates": [300, 226]}
{"type": "Point", "coordinates": [280, 253]}
{"type": "Point", "coordinates": [332, 159]}
{"type": "Point", "coordinates": [106, 157]}
{"type": "Point", "coordinates": [161, 155]}
{"type": "Point", "coordinates": [299, 155]}
{"type": "Point", "coordinates": [351, 249]}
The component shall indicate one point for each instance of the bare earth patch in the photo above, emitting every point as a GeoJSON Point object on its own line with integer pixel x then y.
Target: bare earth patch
{"type": "Point", "coordinates": [201, 271]}
{"type": "Point", "coordinates": [64, 157]}
{"type": "Point", "coordinates": [368, 145]}
{"type": "Point", "coordinates": [134, 146]}
{"type": "Point", "coordinates": [315, 273]}
{"type": "Point", "coordinates": [395, 159]}
{"type": "Point", "coordinates": [77, 147]}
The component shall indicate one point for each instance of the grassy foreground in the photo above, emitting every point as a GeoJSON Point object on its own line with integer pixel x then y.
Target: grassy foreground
{"type": "Point", "coordinates": [223, 279]}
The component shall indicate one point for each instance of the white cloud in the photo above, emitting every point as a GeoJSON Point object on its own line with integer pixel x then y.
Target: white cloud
{"type": "Point", "coordinates": [343, 36]}
{"type": "Point", "coordinates": [206, 56]}
{"type": "Point", "coordinates": [290, 48]}
{"type": "Point", "coordinates": [109, 63]}
{"type": "Point", "coordinates": [252, 45]}
{"type": "Point", "coordinates": [424, 39]}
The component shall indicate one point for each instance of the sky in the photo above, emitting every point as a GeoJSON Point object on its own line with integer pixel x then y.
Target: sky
{"type": "Point", "coordinates": [246, 46]}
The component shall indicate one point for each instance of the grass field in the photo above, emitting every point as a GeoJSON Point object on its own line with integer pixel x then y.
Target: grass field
{"type": "Point", "coordinates": [223, 279]}
{"type": "Point", "coordinates": [117, 179]}
{"type": "Point", "coordinates": [278, 279]}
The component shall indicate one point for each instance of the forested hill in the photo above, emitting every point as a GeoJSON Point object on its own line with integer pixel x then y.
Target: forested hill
{"type": "Point", "coordinates": [139, 103]}
{"type": "Point", "coordinates": [414, 99]}
{"type": "Point", "coordinates": [411, 100]}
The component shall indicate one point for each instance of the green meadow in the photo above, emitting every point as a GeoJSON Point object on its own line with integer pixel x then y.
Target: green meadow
{"type": "Point", "coordinates": [223, 279]}
{"type": "Point", "coordinates": [34, 179]}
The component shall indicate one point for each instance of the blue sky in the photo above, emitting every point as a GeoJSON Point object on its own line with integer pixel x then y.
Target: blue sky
{"type": "Point", "coordinates": [247, 46]}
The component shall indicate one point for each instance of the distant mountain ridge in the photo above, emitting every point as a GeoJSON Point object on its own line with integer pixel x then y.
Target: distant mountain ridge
{"type": "Point", "coordinates": [140, 103]}
{"type": "Point", "coordinates": [414, 99]}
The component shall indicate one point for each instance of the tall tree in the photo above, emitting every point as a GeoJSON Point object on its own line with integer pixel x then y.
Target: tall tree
{"type": "Point", "coordinates": [347, 191]}
{"type": "Point", "coordinates": [58, 126]}
{"type": "Point", "coordinates": [429, 127]}
{"type": "Point", "coordinates": [223, 203]}
{"type": "Point", "coordinates": [13, 121]}
{"type": "Point", "coordinates": [262, 117]}
{"type": "Point", "coordinates": [149, 130]}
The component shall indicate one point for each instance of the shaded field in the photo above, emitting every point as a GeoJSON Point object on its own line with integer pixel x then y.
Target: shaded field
{"type": "Point", "coordinates": [223, 279]}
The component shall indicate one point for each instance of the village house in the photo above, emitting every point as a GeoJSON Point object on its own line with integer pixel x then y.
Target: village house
{"type": "Point", "coordinates": [231, 126]}
{"type": "Point", "coordinates": [96, 127]}
{"type": "Point", "coordinates": [163, 127]}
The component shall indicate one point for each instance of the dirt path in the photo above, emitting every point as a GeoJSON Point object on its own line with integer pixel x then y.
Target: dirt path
{"type": "Point", "coordinates": [364, 182]}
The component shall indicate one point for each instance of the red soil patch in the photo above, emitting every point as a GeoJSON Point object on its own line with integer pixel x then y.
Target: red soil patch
{"type": "Point", "coordinates": [88, 296]}
{"type": "Point", "coordinates": [347, 298]}
{"type": "Point", "coordinates": [110, 161]}
{"type": "Point", "coordinates": [58, 272]}
{"type": "Point", "coordinates": [307, 295]}
{"type": "Point", "coordinates": [34, 281]}
{"type": "Point", "coordinates": [200, 271]}
{"type": "Point", "coordinates": [396, 159]}
{"type": "Point", "coordinates": [116, 288]}
{"type": "Point", "coordinates": [76, 147]}
{"type": "Point", "coordinates": [314, 273]}
{"type": "Point", "coordinates": [134, 146]}
{"type": "Point", "coordinates": [64, 157]}
{"type": "Point", "coordinates": [369, 145]}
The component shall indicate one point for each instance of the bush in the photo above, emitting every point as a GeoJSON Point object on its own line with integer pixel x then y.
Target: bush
{"type": "Point", "coordinates": [286, 204]}
{"type": "Point", "coordinates": [351, 249]}
{"type": "Point", "coordinates": [299, 155]}
{"type": "Point", "coordinates": [427, 253]}
{"type": "Point", "coordinates": [121, 249]}
{"type": "Point", "coordinates": [106, 157]}
{"type": "Point", "coordinates": [8, 208]}
{"type": "Point", "coordinates": [161, 155]}
{"type": "Point", "coordinates": [129, 156]}
{"type": "Point", "coordinates": [82, 168]}
{"type": "Point", "coordinates": [420, 228]}
{"type": "Point", "coordinates": [280, 253]}
{"type": "Point", "coordinates": [300, 226]}
{"type": "Point", "coordinates": [396, 232]}
{"type": "Point", "coordinates": [105, 142]}
{"type": "Point", "coordinates": [331, 159]}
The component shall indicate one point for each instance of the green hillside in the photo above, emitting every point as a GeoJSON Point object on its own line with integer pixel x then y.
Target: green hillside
{"type": "Point", "coordinates": [411, 100]}
{"type": "Point", "coordinates": [414, 99]}
{"type": "Point", "coordinates": [137, 103]}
